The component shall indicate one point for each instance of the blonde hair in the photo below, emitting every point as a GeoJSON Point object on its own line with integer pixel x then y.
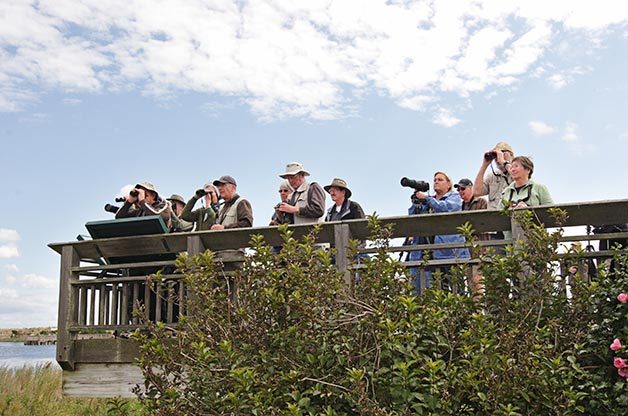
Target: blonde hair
{"type": "Point", "coordinates": [446, 177]}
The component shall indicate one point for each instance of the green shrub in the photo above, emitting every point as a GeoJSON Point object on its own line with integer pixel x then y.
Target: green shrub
{"type": "Point", "coordinates": [299, 342]}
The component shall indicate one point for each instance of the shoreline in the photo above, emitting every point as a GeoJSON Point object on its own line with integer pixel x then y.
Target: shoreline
{"type": "Point", "coordinates": [23, 334]}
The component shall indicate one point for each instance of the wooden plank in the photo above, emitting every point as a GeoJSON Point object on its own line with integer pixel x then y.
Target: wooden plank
{"type": "Point", "coordinates": [136, 301]}
{"type": "Point", "coordinates": [108, 350]}
{"type": "Point", "coordinates": [92, 304]}
{"type": "Point", "coordinates": [67, 313]}
{"type": "Point", "coordinates": [102, 380]}
{"type": "Point", "coordinates": [170, 302]}
{"type": "Point", "coordinates": [123, 266]}
{"type": "Point", "coordinates": [182, 302]}
{"type": "Point", "coordinates": [127, 327]}
{"type": "Point", "coordinates": [342, 234]}
{"type": "Point", "coordinates": [127, 279]}
{"type": "Point", "coordinates": [113, 320]}
{"type": "Point", "coordinates": [195, 245]}
{"type": "Point", "coordinates": [158, 294]}
{"type": "Point", "coordinates": [82, 318]}
{"type": "Point", "coordinates": [101, 305]}
{"type": "Point", "coordinates": [124, 305]}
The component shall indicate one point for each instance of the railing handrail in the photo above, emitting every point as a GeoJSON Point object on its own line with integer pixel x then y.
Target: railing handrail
{"type": "Point", "coordinates": [581, 213]}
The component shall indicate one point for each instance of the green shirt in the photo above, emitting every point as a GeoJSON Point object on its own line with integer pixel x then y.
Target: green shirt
{"type": "Point", "coordinates": [533, 194]}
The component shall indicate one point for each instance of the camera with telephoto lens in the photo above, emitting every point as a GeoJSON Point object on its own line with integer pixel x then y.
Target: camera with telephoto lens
{"type": "Point", "coordinates": [419, 186]}
{"type": "Point", "coordinates": [134, 193]}
{"type": "Point", "coordinates": [488, 156]}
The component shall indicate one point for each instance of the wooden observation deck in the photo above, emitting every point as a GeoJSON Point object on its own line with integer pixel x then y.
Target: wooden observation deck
{"type": "Point", "coordinates": [94, 291]}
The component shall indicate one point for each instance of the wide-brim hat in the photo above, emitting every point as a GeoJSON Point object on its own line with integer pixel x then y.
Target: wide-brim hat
{"type": "Point", "coordinates": [339, 183]}
{"type": "Point", "coordinates": [504, 147]}
{"type": "Point", "coordinates": [177, 198]}
{"type": "Point", "coordinates": [292, 169]}
{"type": "Point", "coordinates": [147, 186]}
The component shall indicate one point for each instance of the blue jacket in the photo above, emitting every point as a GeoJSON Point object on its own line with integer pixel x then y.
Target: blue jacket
{"type": "Point", "coordinates": [450, 202]}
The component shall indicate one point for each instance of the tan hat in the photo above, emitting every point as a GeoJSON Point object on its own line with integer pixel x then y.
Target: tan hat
{"type": "Point", "coordinates": [504, 147]}
{"type": "Point", "coordinates": [147, 186]}
{"type": "Point", "coordinates": [292, 169]}
{"type": "Point", "coordinates": [339, 183]}
{"type": "Point", "coordinates": [177, 198]}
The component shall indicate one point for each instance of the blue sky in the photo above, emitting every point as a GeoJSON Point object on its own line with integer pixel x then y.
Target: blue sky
{"type": "Point", "coordinates": [95, 95]}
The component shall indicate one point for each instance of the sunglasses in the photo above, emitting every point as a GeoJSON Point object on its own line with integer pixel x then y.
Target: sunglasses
{"type": "Point", "coordinates": [284, 190]}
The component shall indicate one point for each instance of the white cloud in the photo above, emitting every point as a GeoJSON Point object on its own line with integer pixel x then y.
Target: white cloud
{"type": "Point", "coordinates": [313, 59]}
{"type": "Point", "coordinates": [9, 235]}
{"type": "Point", "coordinates": [8, 251]}
{"type": "Point", "coordinates": [12, 268]}
{"type": "Point", "coordinates": [445, 118]}
{"type": "Point", "coordinates": [27, 310]}
{"type": "Point", "coordinates": [36, 281]}
{"type": "Point", "coordinates": [562, 79]}
{"type": "Point", "coordinates": [539, 128]}
{"type": "Point", "coordinates": [7, 294]}
{"type": "Point", "coordinates": [71, 101]}
{"type": "Point", "coordinates": [570, 135]}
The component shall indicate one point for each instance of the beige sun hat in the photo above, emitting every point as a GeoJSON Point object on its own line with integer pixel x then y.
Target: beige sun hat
{"type": "Point", "coordinates": [504, 147]}
{"type": "Point", "coordinates": [339, 183]}
{"type": "Point", "coordinates": [292, 169]}
{"type": "Point", "coordinates": [147, 186]}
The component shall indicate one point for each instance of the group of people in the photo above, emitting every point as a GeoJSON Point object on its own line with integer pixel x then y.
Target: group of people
{"type": "Point", "coordinates": [502, 180]}
{"type": "Point", "coordinates": [302, 202]}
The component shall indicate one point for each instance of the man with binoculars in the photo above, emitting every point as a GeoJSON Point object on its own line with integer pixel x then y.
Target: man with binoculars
{"type": "Point", "coordinates": [498, 178]}
{"type": "Point", "coordinates": [143, 200]}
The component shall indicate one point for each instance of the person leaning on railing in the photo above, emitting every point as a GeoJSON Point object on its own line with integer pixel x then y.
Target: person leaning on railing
{"type": "Point", "coordinates": [444, 200]}
{"type": "Point", "coordinates": [236, 212]}
{"type": "Point", "coordinates": [144, 200]}
{"type": "Point", "coordinates": [523, 191]}
{"type": "Point", "coordinates": [343, 208]}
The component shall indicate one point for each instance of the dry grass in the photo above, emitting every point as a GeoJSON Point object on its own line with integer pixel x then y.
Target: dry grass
{"type": "Point", "coordinates": [36, 390]}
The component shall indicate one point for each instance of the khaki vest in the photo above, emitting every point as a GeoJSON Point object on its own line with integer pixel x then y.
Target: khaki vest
{"type": "Point", "coordinates": [227, 218]}
{"type": "Point", "coordinates": [301, 195]}
{"type": "Point", "coordinates": [231, 216]}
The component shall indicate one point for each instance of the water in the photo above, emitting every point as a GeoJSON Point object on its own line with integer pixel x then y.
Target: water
{"type": "Point", "coordinates": [16, 354]}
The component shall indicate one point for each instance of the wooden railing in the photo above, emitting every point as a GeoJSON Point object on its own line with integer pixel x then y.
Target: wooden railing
{"type": "Point", "coordinates": [96, 295]}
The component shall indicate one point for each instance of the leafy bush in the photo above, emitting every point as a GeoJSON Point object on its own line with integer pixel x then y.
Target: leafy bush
{"type": "Point", "coordinates": [299, 342]}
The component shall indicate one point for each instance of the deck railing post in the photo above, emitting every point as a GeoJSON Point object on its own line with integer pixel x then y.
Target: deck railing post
{"type": "Point", "coordinates": [515, 228]}
{"type": "Point", "coordinates": [67, 308]}
{"type": "Point", "coordinates": [342, 234]}
{"type": "Point", "coordinates": [195, 245]}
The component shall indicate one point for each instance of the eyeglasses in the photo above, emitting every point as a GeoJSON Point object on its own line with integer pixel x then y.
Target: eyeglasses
{"type": "Point", "coordinates": [284, 190]}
